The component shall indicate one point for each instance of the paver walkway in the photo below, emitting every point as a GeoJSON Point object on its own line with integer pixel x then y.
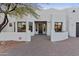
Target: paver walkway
{"type": "Point", "coordinates": [42, 46]}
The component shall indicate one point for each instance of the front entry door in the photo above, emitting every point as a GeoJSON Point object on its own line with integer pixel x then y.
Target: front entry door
{"type": "Point", "coordinates": [77, 29]}
{"type": "Point", "coordinates": [40, 28]}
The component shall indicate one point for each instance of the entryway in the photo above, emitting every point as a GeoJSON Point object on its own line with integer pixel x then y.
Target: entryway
{"type": "Point", "coordinates": [40, 27]}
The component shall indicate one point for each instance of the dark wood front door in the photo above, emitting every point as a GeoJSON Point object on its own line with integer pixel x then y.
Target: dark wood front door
{"type": "Point", "coordinates": [40, 28]}
{"type": "Point", "coordinates": [77, 29]}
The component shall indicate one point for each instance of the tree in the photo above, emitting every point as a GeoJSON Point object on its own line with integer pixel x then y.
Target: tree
{"type": "Point", "coordinates": [16, 9]}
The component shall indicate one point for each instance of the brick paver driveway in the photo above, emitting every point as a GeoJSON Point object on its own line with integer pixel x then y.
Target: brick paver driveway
{"type": "Point", "coordinates": [42, 46]}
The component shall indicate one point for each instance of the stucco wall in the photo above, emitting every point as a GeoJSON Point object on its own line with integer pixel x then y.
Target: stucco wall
{"type": "Point", "coordinates": [60, 16]}
{"type": "Point", "coordinates": [6, 36]}
{"type": "Point", "coordinates": [66, 15]}
{"type": "Point", "coordinates": [73, 17]}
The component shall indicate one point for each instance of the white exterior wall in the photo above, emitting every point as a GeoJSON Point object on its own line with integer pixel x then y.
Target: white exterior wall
{"type": "Point", "coordinates": [73, 17]}
{"type": "Point", "coordinates": [6, 36]}
{"type": "Point", "coordinates": [26, 36]}
{"type": "Point", "coordinates": [9, 34]}
{"type": "Point", "coordinates": [59, 16]}
{"type": "Point", "coordinates": [66, 16]}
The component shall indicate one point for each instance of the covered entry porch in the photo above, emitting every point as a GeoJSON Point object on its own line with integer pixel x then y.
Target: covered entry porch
{"type": "Point", "coordinates": [40, 27]}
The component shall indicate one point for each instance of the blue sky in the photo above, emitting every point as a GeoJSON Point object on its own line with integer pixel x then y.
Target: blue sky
{"type": "Point", "coordinates": [58, 5]}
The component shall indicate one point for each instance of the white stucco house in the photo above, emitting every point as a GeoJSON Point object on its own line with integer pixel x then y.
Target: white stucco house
{"type": "Point", "coordinates": [58, 24]}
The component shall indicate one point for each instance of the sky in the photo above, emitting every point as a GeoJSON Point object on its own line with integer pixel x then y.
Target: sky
{"type": "Point", "coordinates": [58, 5]}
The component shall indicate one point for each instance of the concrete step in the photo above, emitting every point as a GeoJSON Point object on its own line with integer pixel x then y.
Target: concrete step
{"type": "Point", "coordinates": [40, 37]}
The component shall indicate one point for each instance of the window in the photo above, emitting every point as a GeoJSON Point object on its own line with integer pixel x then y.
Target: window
{"type": "Point", "coordinates": [58, 26]}
{"type": "Point", "coordinates": [31, 26]}
{"type": "Point", "coordinates": [21, 26]}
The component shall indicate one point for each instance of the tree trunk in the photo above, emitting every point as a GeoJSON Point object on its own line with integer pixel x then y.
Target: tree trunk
{"type": "Point", "coordinates": [4, 23]}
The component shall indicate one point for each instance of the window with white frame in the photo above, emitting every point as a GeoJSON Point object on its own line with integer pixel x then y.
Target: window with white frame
{"type": "Point", "coordinates": [58, 26]}
{"type": "Point", "coordinates": [21, 26]}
